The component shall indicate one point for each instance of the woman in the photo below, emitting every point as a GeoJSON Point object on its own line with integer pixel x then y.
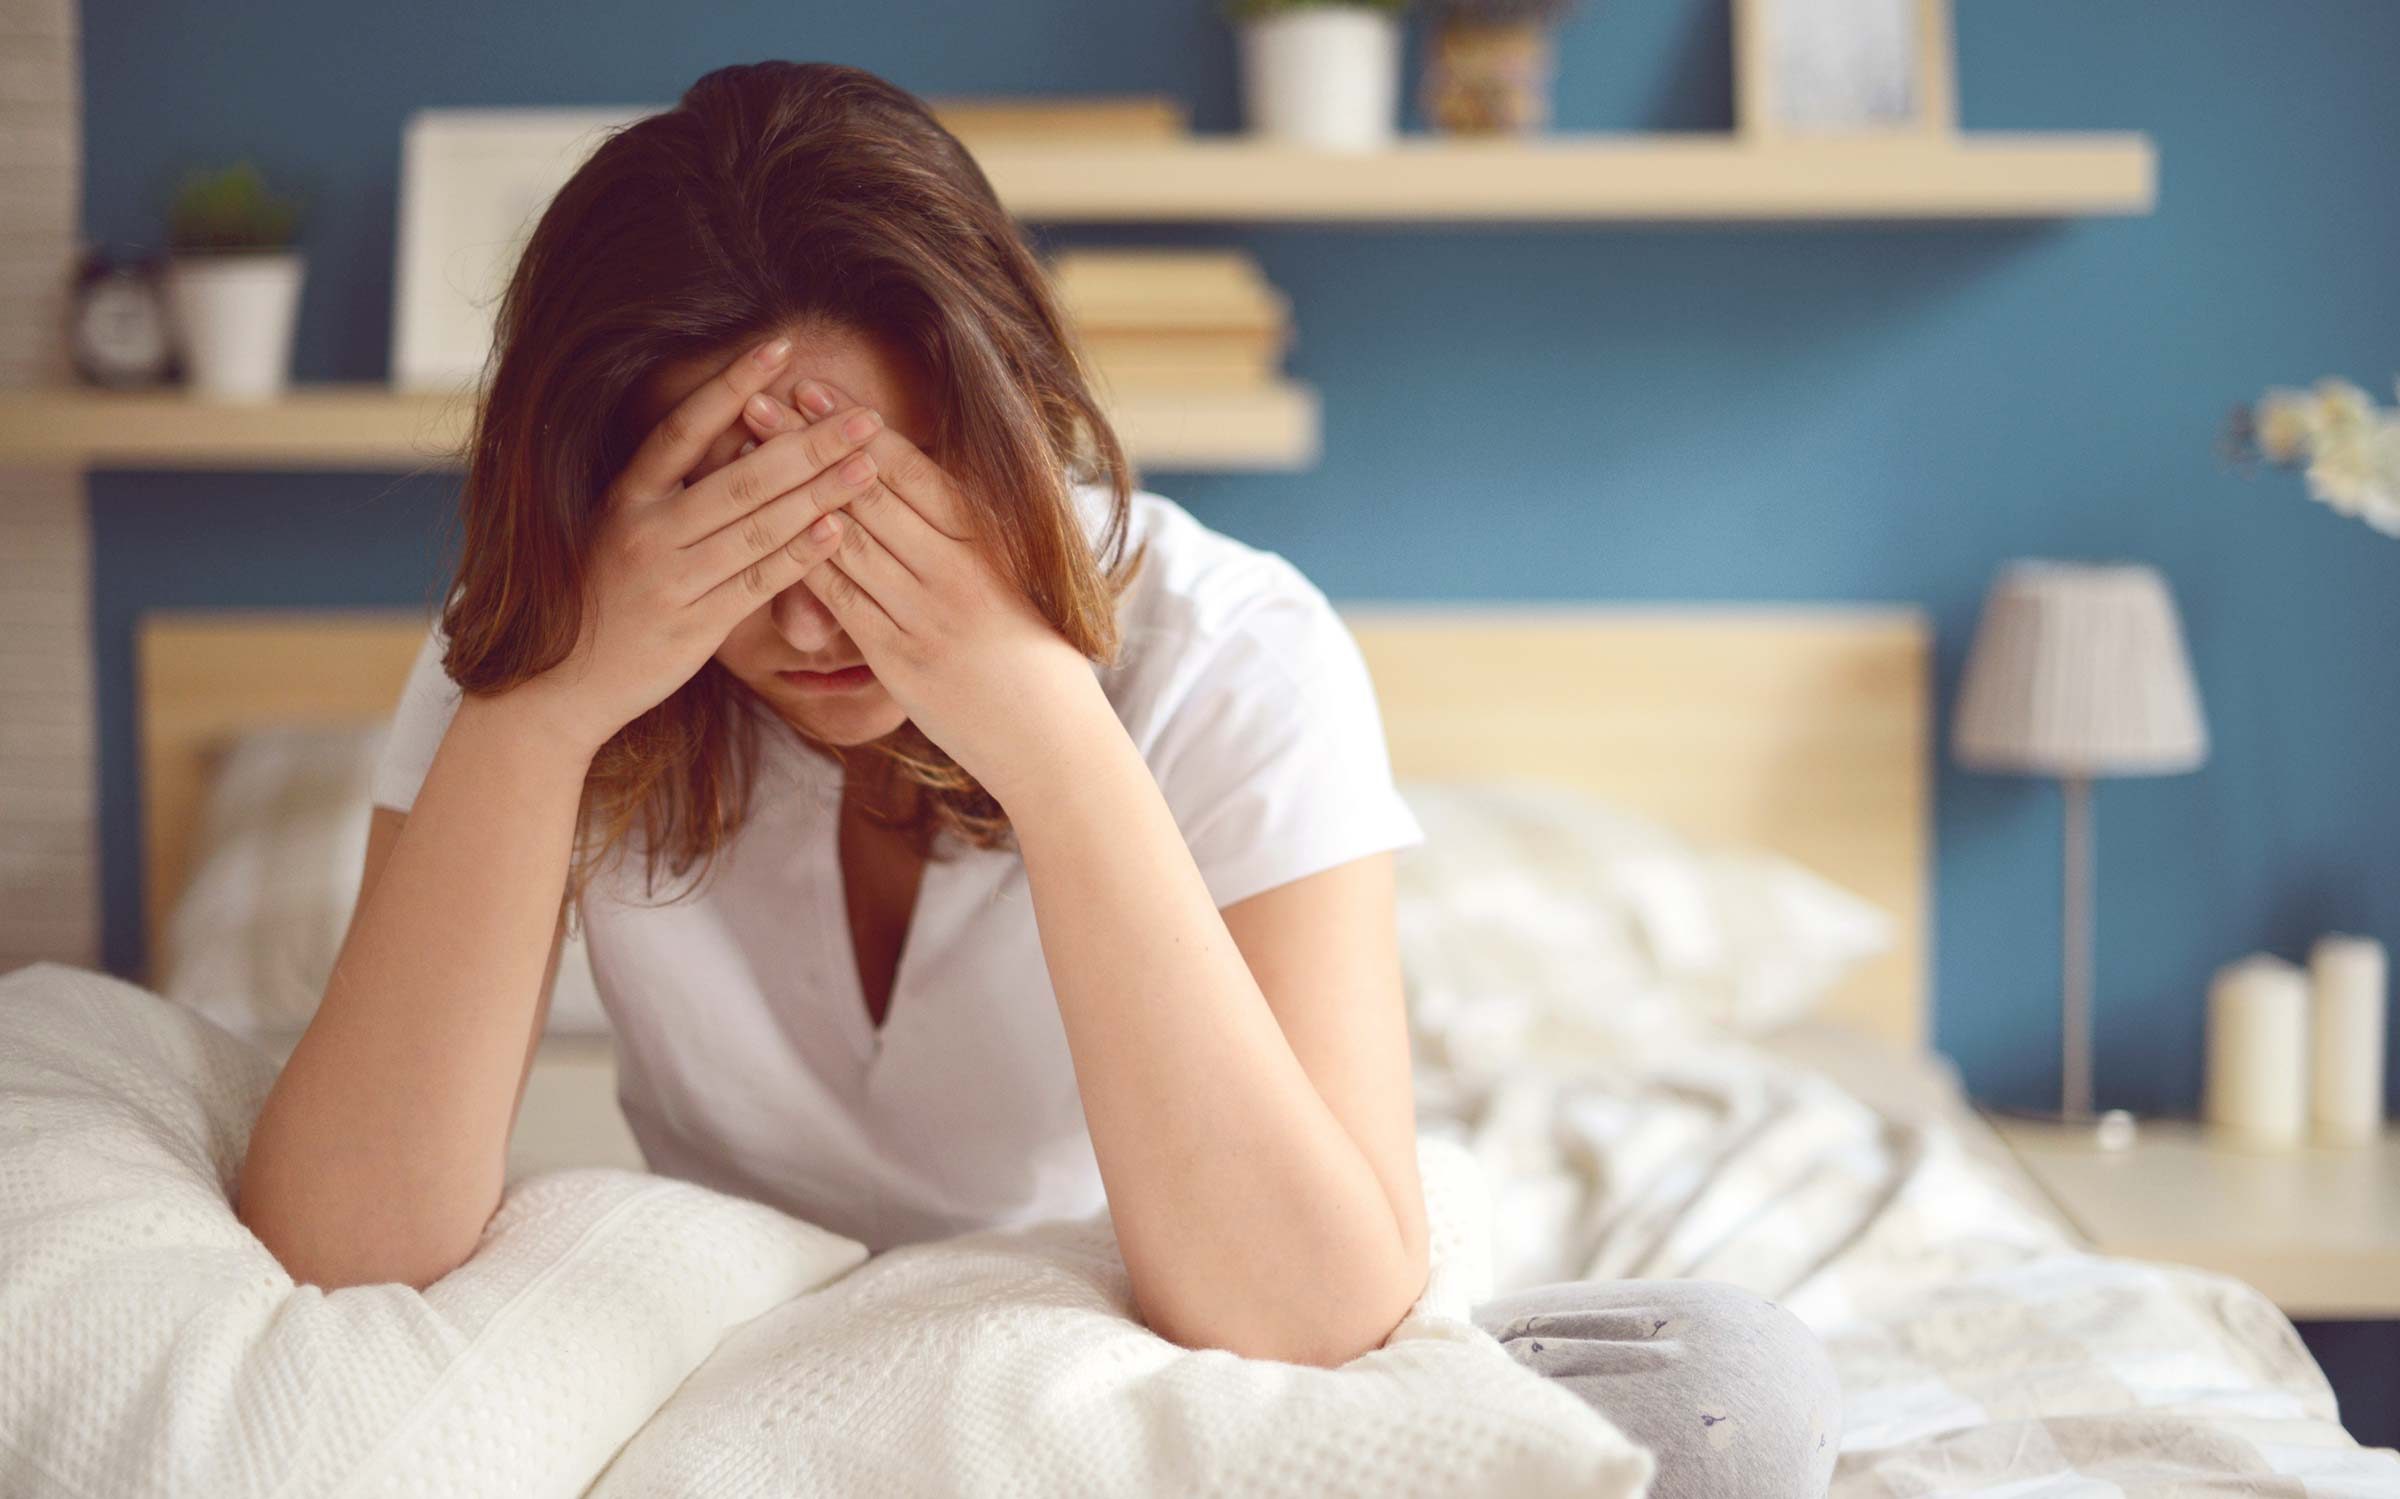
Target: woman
{"type": "Point", "coordinates": [961, 836]}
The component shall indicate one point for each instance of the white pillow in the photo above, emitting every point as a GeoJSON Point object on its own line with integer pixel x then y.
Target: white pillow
{"type": "Point", "coordinates": [1532, 913]}
{"type": "Point", "coordinates": [281, 845]}
{"type": "Point", "coordinates": [150, 1345]}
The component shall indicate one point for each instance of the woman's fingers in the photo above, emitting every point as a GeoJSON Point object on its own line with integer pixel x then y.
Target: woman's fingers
{"type": "Point", "coordinates": [734, 546]}
{"type": "Point", "coordinates": [676, 445]}
{"type": "Point", "coordinates": [850, 604]}
{"type": "Point", "coordinates": [770, 574]}
{"type": "Point", "coordinates": [869, 564]}
{"type": "Point", "coordinates": [817, 398]}
{"type": "Point", "coordinates": [913, 476]}
{"type": "Point", "coordinates": [774, 468]}
{"type": "Point", "coordinates": [921, 482]}
{"type": "Point", "coordinates": [727, 447]}
{"type": "Point", "coordinates": [920, 546]}
{"type": "Point", "coordinates": [903, 533]}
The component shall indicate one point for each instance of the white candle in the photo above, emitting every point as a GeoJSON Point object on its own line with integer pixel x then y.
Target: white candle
{"type": "Point", "coordinates": [2347, 981]}
{"type": "Point", "coordinates": [2258, 1050]}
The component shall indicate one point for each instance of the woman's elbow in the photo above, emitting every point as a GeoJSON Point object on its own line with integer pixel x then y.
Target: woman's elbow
{"type": "Point", "coordinates": [1328, 1344]}
{"type": "Point", "coordinates": [1308, 1327]}
{"type": "Point", "coordinates": [1358, 1324]}
{"type": "Point", "coordinates": [316, 1253]}
{"type": "Point", "coordinates": [1331, 1339]}
{"type": "Point", "coordinates": [1338, 1328]}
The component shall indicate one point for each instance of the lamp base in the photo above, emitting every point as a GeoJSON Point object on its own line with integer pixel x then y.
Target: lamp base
{"type": "Point", "coordinates": [2109, 1129]}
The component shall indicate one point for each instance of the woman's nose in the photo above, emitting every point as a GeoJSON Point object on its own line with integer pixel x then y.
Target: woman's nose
{"type": "Point", "coordinates": [803, 622]}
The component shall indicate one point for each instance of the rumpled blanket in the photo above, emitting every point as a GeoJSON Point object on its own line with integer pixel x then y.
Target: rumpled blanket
{"type": "Point", "coordinates": [1982, 1353]}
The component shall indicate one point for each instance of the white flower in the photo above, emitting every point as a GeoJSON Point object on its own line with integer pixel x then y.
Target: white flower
{"type": "Point", "coordinates": [2357, 473]}
{"type": "Point", "coordinates": [2281, 424]}
{"type": "Point", "coordinates": [2341, 412]}
{"type": "Point", "coordinates": [2382, 505]}
{"type": "Point", "coordinates": [2341, 473]}
{"type": "Point", "coordinates": [2348, 449]}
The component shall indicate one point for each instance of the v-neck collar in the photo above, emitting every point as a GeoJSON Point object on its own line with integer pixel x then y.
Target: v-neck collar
{"type": "Point", "coordinates": [818, 778]}
{"type": "Point", "coordinates": [846, 925]}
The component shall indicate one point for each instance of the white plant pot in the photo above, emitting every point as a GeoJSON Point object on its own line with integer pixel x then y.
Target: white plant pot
{"type": "Point", "coordinates": [234, 314]}
{"type": "Point", "coordinates": [1323, 76]}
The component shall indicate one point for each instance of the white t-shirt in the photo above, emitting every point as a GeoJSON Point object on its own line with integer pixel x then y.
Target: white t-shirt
{"type": "Point", "coordinates": [746, 1058]}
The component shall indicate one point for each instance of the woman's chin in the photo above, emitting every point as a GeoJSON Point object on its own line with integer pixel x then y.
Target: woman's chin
{"type": "Point", "coordinates": [857, 719]}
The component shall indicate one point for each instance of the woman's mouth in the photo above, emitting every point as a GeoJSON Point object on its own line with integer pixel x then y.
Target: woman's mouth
{"type": "Point", "coordinates": [847, 679]}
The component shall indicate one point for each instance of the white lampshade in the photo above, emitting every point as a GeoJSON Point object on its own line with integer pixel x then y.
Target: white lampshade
{"type": "Point", "coordinates": [2079, 670]}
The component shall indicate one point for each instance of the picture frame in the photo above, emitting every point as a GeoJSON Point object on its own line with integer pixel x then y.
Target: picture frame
{"type": "Point", "coordinates": [473, 183]}
{"type": "Point", "coordinates": [1844, 69]}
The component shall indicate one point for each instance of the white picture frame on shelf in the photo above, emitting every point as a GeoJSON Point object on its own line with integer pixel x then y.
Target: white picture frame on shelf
{"type": "Point", "coordinates": [1844, 69]}
{"type": "Point", "coordinates": [473, 183]}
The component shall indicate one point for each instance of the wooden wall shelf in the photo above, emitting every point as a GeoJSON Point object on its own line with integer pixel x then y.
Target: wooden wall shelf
{"type": "Point", "coordinates": [370, 427]}
{"type": "Point", "coordinates": [1230, 178]}
{"type": "Point", "coordinates": [1628, 178]}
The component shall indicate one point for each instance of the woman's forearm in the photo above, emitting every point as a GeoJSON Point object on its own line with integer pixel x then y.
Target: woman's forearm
{"type": "Point", "coordinates": [381, 1151]}
{"type": "Point", "coordinates": [1249, 1218]}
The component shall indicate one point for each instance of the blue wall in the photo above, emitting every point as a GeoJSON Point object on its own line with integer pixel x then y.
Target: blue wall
{"type": "Point", "coordinates": [1565, 412]}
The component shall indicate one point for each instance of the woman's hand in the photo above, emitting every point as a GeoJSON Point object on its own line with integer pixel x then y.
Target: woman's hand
{"type": "Point", "coordinates": [958, 645]}
{"type": "Point", "coordinates": [676, 565]}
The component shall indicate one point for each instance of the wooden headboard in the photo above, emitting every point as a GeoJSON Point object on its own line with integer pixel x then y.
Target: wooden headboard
{"type": "Point", "coordinates": [1806, 730]}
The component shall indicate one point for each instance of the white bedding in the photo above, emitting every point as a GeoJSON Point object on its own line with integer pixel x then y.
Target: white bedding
{"type": "Point", "coordinates": [1981, 1354]}
{"type": "Point", "coordinates": [1627, 1133]}
{"type": "Point", "coordinates": [1008, 1363]}
{"type": "Point", "coordinates": [149, 1345]}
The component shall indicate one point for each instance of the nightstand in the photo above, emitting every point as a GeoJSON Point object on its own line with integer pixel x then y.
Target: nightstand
{"type": "Point", "coordinates": [2316, 1228]}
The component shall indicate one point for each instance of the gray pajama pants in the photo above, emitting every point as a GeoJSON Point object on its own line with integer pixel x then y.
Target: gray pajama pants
{"type": "Point", "coordinates": [1730, 1392]}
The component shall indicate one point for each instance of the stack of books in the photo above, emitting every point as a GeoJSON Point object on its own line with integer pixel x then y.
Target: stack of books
{"type": "Point", "coordinates": [1174, 319]}
{"type": "Point", "coordinates": [1149, 320]}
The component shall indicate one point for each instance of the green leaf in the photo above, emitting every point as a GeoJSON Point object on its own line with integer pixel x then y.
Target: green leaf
{"type": "Point", "coordinates": [230, 209]}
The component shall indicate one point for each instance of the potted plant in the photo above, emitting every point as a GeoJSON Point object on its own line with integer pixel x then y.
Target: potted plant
{"type": "Point", "coordinates": [1321, 73]}
{"type": "Point", "coordinates": [233, 282]}
{"type": "Point", "coordinates": [1490, 66]}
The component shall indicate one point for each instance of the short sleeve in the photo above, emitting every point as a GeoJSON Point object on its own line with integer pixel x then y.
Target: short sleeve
{"type": "Point", "coordinates": [427, 703]}
{"type": "Point", "coordinates": [1271, 755]}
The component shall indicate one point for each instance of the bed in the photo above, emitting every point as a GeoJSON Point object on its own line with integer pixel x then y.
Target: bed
{"type": "Point", "coordinates": [1828, 1160]}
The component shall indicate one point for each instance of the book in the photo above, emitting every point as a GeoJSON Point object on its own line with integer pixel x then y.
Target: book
{"type": "Point", "coordinates": [1184, 361]}
{"type": "Point", "coordinates": [1109, 117]}
{"type": "Point", "coordinates": [1167, 290]}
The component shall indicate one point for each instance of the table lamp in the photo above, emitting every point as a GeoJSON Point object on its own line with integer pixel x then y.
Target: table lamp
{"type": "Point", "coordinates": [2079, 671]}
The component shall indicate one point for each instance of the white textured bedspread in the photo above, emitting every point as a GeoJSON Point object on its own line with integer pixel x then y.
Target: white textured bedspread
{"type": "Point", "coordinates": [654, 1336]}
{"type": "Point", "coordinates": [149, 1346]}
{"type": "Point", "coordinates": [1982, 1355]}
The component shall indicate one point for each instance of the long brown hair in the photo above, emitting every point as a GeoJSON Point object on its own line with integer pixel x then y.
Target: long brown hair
{"type": "Point", "coordinates": [774, 195]}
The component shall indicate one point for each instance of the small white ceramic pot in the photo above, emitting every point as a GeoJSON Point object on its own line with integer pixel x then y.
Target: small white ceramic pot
{"type": "Point", "coordinates": [234, 314]}
{"type": "Point", "coordinates": [1323, 76]}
